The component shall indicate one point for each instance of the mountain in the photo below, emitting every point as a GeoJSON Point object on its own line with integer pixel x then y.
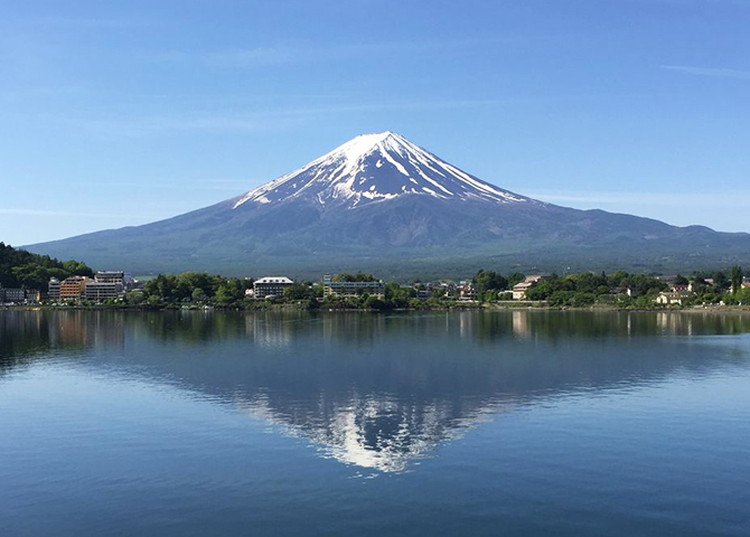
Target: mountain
{"type": "Point", "coordinates": [381, 203]}
{"type": "Point", "coordinates": [372, 168]}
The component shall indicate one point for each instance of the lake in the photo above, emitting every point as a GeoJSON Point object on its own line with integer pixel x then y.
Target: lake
{"type": "Point", "coordinates": [451, 423]}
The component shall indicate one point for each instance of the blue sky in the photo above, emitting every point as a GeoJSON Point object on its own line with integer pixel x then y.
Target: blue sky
{"type": "Point", "coordinates": [122, 113]}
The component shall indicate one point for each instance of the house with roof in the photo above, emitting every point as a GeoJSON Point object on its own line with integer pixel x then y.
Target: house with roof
{"type": "Point", "coordinates": [270, 286]}
{"type": "Point", "coordinates": [519, 290]}
{"type": "Point", "coordinates": [674, 299]}
{"type": "Point", "coordinates": [466, 291]}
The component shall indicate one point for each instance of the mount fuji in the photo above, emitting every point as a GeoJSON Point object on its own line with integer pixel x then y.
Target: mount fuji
{"type": "Point", "coordinates": [372, 168]}
{"type": "Point", "coordinates": [381, 203]}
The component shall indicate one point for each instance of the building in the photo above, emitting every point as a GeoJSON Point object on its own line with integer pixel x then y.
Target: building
{"type": "Point", "coordinates": [269, 286]}
{"type": "Point", "coordinates": [105, 285]}
{"type": "Point", "coordinates": [33, 296]}
{"type": "Point", "coordinates": [622, 291]}
{"type": "Point", "coordinates": [53, 289]}
{"type": "Point", "coordinates": [74, 287]}
{"type": "Point", "coordinates": [114, 276]}
{"type": "Point", "coordinates": [423, 294]}
{"type": "Point", "coordinates": [449, 290]}
{"type": "Point", "coordinates": [519, 290]}
{"type": "Point", "coordinates": [11, 294]}
{"type": "Point", "coordinates": [334, 288]}
{"type": "Point", "coordinates": [466, 292]}
{"type": "Point", "coordinates": [671, 299]}
{"type": "Point", "coordinates": [98, 291]}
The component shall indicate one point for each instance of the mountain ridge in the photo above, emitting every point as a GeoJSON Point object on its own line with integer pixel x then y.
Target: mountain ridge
{"type": "Point", "coordinates": [400, 168]}
{"type": "Point", "coordinates": [381, 203]}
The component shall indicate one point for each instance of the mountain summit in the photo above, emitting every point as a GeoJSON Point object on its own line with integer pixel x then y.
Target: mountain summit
{"type": "Point", "coordinates": [381, 203]}
{"type": "Point", "coordinates": [377, 167]}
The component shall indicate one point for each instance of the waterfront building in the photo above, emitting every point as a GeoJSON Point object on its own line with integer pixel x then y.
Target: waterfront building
{"type": "Point", "coordinates": [33, 296]}
{"type": "Point", "coordinates": [423, 294]}
{"type": "Point", "coordinates": [466, 292]}
{"type": "Point", "coordinates": [674, 298]}
{"type": "Point", "coordinates": [336, 288]}
{"type": "Point", "coordinates": [73, 287]}
{"type": "Point", "coordinates": [53, 289]}
{"type": "Point", "coordinates": [102, 290]}
{"type": "Point", "coordinates": [11, 294]}
{"type": "Point", "coordinates": [519, 290]}
{"type": "Point", "coordinates": [269, 286]}
{"type": "Point", "coordinates": [114, 276]}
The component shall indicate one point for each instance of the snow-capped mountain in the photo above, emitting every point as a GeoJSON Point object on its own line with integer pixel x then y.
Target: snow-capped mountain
{"type": "Point", "coordinates": [383, 204]}
{"type": "Point", "coordinates": [377, 167]}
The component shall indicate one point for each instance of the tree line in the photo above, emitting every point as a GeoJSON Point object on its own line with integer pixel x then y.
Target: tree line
{"type": "Point", "coordinates": [19, 268]}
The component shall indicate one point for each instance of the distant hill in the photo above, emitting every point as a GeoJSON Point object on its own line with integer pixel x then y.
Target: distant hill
{"type": "Point", "coordinates": [19, 268]}
{"type": "Point", "coordinates": [382, 204]}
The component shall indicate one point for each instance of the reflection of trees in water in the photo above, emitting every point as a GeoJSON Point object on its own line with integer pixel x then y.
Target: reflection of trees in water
{"type": "Point", "coordinates": [554, 324]}
{"type": "Point", "coordinates": [378, 390]}
{"type": "Point", "coordinates": [21, 338]}
{"type": "Point", "coordinates": [28, 334]}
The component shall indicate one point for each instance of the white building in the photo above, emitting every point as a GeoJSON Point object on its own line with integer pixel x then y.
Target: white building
{"type": "Point", "coordinates": [114, 276]}
{"type": "Point", "coordinates": [670, 299]}
{"type": "Point", "coordinates": [336, 288]}
{"type": "Point", "coordinates": [98, 291]}
{"type": "Point", "coordinates": [270, 286]}
{"type": "Point", "coordinates": [519, 290]}
{"type": "Point", "coordinates": [53, 289]}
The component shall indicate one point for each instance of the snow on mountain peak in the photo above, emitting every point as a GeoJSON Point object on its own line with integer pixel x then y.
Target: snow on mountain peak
{"type": "Point", "coordinates": [376, 167]}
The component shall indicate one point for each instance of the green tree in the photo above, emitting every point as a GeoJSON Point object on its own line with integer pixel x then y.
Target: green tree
{"type": "Point", "coordinates": [721, 281]}
{"type": "Point", "coordinates": [398, 296]}
{"type": "Point", "coordinates": [736, 276]}
{"type": "Point", "coordinates": [224, 295]}
{"type": "Point", "coordinates": [681, 280]}
{"type": "Point", "coordinates": [488, 280]}
{"type": "Point", "coordinates": [298, 291]}
{"type": "Point", "coordinates": [374, 303]}
{"type": "Point", "coordinates": [134, 298]}
{"type": "Point", "coordinates": [515, 277]}
{"type": "Point", "coordinates": [198, 295]}
{"type": "Point", "coordinates": [19, 268]}
{"type": "Point", "coordinates": [76, 268]}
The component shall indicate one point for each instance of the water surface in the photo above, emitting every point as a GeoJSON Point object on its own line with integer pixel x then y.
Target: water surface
{"type": "Point", "coordinates": [470, 423]}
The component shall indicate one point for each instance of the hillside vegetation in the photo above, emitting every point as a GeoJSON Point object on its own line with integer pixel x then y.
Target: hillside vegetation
{"type": "Point", "coordinates": [19, 268]}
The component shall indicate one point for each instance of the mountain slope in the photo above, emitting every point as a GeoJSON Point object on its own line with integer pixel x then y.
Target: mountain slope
{"type": "Point", "coordinates": [376, 167]}
{"type": "Point", "coordinates": [379, 202]}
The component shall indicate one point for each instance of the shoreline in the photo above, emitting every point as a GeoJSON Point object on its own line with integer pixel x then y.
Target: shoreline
{"type": "Point", "coordinates": [715, 309]}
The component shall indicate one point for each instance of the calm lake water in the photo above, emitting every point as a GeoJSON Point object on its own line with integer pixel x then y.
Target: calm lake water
{"type": "Point", "coordinates": [349, 424]}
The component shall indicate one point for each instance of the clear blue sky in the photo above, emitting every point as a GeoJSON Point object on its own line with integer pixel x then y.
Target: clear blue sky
{"type": "Point", "coordinates": [121, 113]}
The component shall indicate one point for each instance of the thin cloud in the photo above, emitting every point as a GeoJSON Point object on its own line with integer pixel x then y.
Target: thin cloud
{"type": "Point", "coordinates": [95, 23]}
{"type": "Point", "coordinates": [223, 185]}
{"type": "Point", "coordinates": [42, 212]}
{"type": "Point", "coordinates": [249, 57]}
{"type": "Point", "coordinates": [709, 71]}
{"type": "Point", "coordinates": [240, 58]}
{"type": "Point", "coordinates": [308, 52]}
{"type": "Point", "coordinates": [258, 122]}
{"type": "Point", "coordinates": [698, 199]}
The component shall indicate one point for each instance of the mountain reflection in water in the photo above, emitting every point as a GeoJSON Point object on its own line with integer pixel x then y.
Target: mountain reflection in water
{"type": "Point", "coordinates": [375, 391]}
